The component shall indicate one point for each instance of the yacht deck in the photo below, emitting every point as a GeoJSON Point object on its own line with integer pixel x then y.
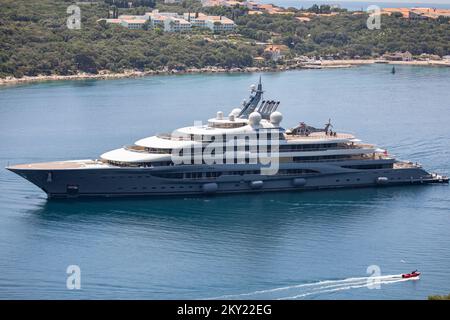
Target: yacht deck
{"type": "Point", "coordinates": [404, 165]}
{"type": "Point", "coordinates": [60, 165]}
{"type": "Point", "coordinates": [319, 135]}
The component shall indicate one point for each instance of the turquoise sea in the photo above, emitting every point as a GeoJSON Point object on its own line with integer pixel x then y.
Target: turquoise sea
{"type": "Point", "coordinates": [300, 245]}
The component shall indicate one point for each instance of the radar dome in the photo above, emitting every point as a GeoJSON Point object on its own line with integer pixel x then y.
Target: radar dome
{"type": "Point", "coordinates": [253, 87]}
{"type": "Point", "coordinates": [235, 112]}
{"type": "Point", "coordinates": [275, 118]}
{"type": "Point", "coordinates": [254, 118]}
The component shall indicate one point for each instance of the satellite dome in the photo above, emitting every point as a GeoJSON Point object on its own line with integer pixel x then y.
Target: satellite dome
{"type": "Point", "coordinates": [219, 115]}
{"type": "Point", "coordinates": [235, 112]}
{"type": "Point", "coordinates": [254, 118]}
{"type": "Point", "coordinates": [275, 118]}
{"type": "Point", "coordinates": [253, 87]}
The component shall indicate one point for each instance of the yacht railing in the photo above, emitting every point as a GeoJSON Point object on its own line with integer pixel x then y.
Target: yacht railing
{"type": "Point", "coordinates": [362, 157]}
{"type": "Point", "coordinates": [168, 136]}
{"type": "Point", "coordinates": [317, 135]}
{"type": "Point", "coordinates": [345, 147]}
{"type": "Point", "coordinates": [142, 149]}
{"type": "Point", "coordinates": [135, 148]}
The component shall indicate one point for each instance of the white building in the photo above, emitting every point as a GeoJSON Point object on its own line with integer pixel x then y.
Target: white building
{"type": "Point", "coordinates": [196, 19]}
{"type": "Point", "coordinates": [131, 17]}
{"type": "Point", "coordinates": [134, 24]}
{"type": "Point", "coordinates": [172, 24]}
{"type": "Point", "coordinates": [112, 21]}
{"type": "Point", "coordinates": [220, 24]}
{"type": "Point", "coordinates": [170, 21]}
{"type": "Point", "coordinates": [157, 21]}
{"type": "Point", "coordinates": [215, 23]}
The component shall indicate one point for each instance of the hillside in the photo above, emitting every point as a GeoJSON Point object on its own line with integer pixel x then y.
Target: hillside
{"type": "Point", "coordinates": [34, 39]}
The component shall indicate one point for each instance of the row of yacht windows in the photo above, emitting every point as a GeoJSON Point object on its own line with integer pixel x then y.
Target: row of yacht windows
{"type": "Point", "coordinates": [215, 174]}
{"type": "Point", "coordinates": [266, 134]}
{"type": "Point", "coordinates": [227, 125]}
{"type": "Point", "coordinates": [263, 134]}
{"type": "Point", "coordinates": [322, 158]}
{"type": "Point", "coordinates": [308, 147]}
{"type": "Point", "coordinates": [140, 164]}
{"type": "Point", "coordinates": [247, 160]}
{"type": "Point", "coordinates": [158, 150]}
{"type": "Point", "coordinates": [370, 166]}
{"type": "Point", "coordinates": [258, 148]}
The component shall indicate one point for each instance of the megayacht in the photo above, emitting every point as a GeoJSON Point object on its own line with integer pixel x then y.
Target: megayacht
{"type": "Point", "coordinates": [248, 151]}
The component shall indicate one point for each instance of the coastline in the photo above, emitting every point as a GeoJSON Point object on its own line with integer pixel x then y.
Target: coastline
{"type": "Point", "coordinates": [324, 64]}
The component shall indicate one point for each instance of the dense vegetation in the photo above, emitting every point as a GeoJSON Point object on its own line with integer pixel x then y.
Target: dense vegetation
{"type": "Point", "coordinates": [437, 297]}
{"type": "Point", "coordinates": [34, 38]}
{"type": "Point", "coordinates": [348, 35]}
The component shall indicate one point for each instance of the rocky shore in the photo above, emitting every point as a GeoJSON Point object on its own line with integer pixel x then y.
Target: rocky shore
{"type": "Point", "coordinates": [105, 74]}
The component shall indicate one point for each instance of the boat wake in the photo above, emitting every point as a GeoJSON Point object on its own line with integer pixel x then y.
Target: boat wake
{"type": "Point", "coordinates": [317, 288]}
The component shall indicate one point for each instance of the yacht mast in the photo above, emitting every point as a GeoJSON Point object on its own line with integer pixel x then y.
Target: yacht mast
{"type": "Point", "coordinates": [251, 105]}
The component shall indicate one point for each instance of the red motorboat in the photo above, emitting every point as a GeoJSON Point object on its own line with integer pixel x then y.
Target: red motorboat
{"type": "Point", "coordinates": [414, 274]}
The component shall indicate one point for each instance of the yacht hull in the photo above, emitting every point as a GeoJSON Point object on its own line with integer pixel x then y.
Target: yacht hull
{"type": "Point", "coordinates": [125, 182]}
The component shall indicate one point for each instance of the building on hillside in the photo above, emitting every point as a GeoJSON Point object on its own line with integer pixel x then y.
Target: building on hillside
{"type": "Point", "coordinates": [428, 13]}
{"type": "Point", "coordinates": [169, 21]}
{"type": "Point", "coordinates": [172, 24]}
{"type": "Point", "coordinates": [220, 24]}
{"type": "Point", "coordinates": [398, 56]}
{"type": "Point", "coordinates": [418, 13]}
{"type": "Point", "coordinates": [157, 13]}
{"type": "Point", "coordinates": [196, 19]}
{"type": "Point", "coordinates": [389, 11]}
{"type": "Point", "coordinates": [130, 17]}
{"type": "Point", "coordinates": [428, 57]}
{"type": "Point", "coordinates": [111, 21]}
{"type": "Point", "coordinates": [276, 51]}
{"type": "Point", "coordinates": [232, 3]}
{"type": "Point", "coordinates": [303, 19]}
{"type": "Point", "coordinates": [212, 3]}
{"type": "Point", "coordinates": [157, 21]}
{"type": "Point", "coordinates": [251, 5]}
{"type": "Point", "coordinates": [214, 23]}
{"type": "Point", "coordinates": [417, 16]}
{"type": "Point", "coordinates": [250, 12]}
{"type": "Point", "coordinates": [134, 24]}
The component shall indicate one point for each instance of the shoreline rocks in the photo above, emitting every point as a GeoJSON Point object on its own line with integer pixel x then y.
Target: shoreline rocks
{"type": "Point", "coordinates": [107, 75]}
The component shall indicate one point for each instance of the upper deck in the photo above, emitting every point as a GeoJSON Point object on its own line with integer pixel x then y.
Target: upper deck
{"type": "Point", "coordinates": [314, 136]}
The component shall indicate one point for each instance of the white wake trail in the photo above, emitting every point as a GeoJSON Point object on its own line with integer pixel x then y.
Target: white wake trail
{"type": "Point", "coordinates": [340, 288]}
{"type": "Point", "coordinates": [327, 283]}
